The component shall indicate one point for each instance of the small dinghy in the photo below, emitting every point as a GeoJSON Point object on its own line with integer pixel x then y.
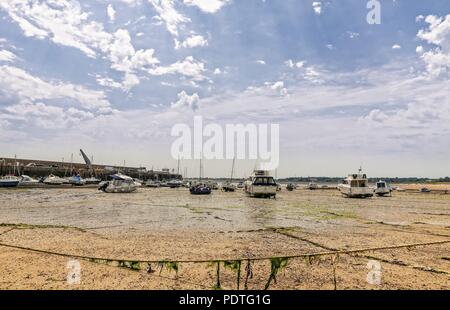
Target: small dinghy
{"type": "Point", "coordinates": [174, 183]}
{"type": "Point", "coordinates": [76, 180]}
{"type": "Point", "coordinates": [313, 185]}
{"type": "Point", "coordinates": [153, 184]}
{"type": "Point", "coordinates": [119, 184]}
{"type": "Point", "coordinates": [92, 180]}
{"type": "Point", "coordinates": [228, 187]}
{"type": "Point", "coordinates": [290, 187]}
{"type": "Point", "coordinates": [200, 189]}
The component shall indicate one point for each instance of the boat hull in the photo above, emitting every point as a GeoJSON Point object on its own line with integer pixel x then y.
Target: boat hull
{"type": "Point", "coordinates": [356, 192]}
{"type": "Point", "coordinates": [261, 191]}
{"type": "Point", "coordinates": [120, 189]}
{"type": "Point", "coordinates": [9, 183]}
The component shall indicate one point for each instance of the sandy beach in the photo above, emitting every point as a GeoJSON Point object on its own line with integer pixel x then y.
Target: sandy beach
{"type": "Point", "coordinates": [170, 224]}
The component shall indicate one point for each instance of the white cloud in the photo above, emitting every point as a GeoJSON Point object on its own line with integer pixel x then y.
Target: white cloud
{"type": "Point", "coordinates": [64, 23]}
{"type": "Point", "coordinates": [111, 13]}
{"type": "Point", "coordinates": [353, 35]}
{"type": "Point", "coordinates": [291, 64]}
{"type": "Point", "coordinates": [184, 100]}
{"type": "Point", "coordinates": [217, 71]}
{"type": "Point", "coordinates": [207, 6]}
{"type": "Point", "coordinates": [189, 67]}
{"type": "Point", "coordinates": [279, 86]}
{"type": "Point", "coordinates": [317, 7]}
{"type": "Point", "coordinates": [17, 83]}
{"type": "Point", "coordinates": [131, 2]}
{"type": "Point", "coordinates": [107, 82]}
{"type": "Point", "coordinates": [46, 116]}
{"type": "Point", "coordinates": [261, 62]}
{"type": "Point", "coordinates": [438, 34]}
{"type": "Point", "coordinates": [192, 41]}
{"type": "Point", "coordinates": [130, 81]}
{"type": "Point", "coordinates": [7, 56]}
{"type": "Point", "coordinates": [420, 50]}
{"type": "Point", "coordinates": [396, 47]}
{"type": "Point", "coordinates": [167, 13]}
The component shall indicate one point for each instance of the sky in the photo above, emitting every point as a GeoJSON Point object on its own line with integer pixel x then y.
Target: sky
{"type": "Point", "coordinates": [113, 78]}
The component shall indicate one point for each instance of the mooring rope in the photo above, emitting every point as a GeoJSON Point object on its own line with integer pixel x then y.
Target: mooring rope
{"type": "Point", "coordinates": [304, 255]}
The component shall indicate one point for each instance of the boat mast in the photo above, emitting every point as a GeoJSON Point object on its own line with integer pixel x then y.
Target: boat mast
{"type": "Point", "coordinates": [200, 175]}
{"type": "Point", "coordinates": [232, 169]}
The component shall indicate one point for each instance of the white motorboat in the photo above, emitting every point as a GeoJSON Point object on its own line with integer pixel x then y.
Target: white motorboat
{"type": "Point", "coordinates": [120, 183]}
{"type": "Point", "coordinates": [138, 182]}
{"type": "Point", "coordinates": [228, 187]}
{"type": "Point", "coordinates": [92, 180]}
{"type": "Point", "coordinates": [290, 187]}
{"type": "Point", "coordinates": [152, 183]}
{"type": "Point", "coordinates": [27, 180]}
{"type": "Point", "coordinates": [382, 188]}
{"type": "Point", "coordinates": [313, 185]}
{"type": "Point", "coordinates": [212, 184]}
{"type": "Point", "coordinates": [9, 181]}
{"type": "Point", "coordinates": [174, 183]}
{"type": "Point", "coordinates": [261, 184]}
{"type": "Point", "coordinates": [356, 186]}
{"type": "Point", "coordinates": [55, 180]}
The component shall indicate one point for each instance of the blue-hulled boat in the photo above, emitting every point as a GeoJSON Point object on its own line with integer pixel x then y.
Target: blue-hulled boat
{"type": "Point", "coordinates": [9, 181]}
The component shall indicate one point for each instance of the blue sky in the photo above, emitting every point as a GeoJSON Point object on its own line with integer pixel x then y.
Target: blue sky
{"type": "Point", "coordinates": [115, 76]}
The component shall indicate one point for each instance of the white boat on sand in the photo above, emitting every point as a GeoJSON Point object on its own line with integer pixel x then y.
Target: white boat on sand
{"type": "Point", "coordinates": [55, 180]}
{"type": "Point", "coordinates": [120, 183]}
{"type": "Point", "coordinates": [382, 188]}
{"type": "Point", "coordinates": [27, 180]}
{"type": "Point", "coordinates": [356, 186]}
{"type": "Point", "coordinates": [9, 181]}
{"type": "Point", "coordinates": [261, 184]}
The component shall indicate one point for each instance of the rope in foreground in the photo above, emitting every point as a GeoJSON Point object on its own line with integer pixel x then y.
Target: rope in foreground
{"type": "Point", "coordinates": [277, 262]}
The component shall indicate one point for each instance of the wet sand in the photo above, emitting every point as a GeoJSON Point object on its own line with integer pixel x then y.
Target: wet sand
{"type": "Point", "coordinates": [171, 224]}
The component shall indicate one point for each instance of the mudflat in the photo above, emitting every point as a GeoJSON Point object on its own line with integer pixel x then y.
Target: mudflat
{"type": "Point", "coordinates": [156, 224]}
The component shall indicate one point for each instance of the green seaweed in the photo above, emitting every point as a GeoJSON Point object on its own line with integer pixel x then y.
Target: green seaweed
{"type": "Point", "coordinates": [169, 265]}
{"type": "Point", "coordinates": [276, 264]}
{"type": "Point", "coordinates": [236, 267]}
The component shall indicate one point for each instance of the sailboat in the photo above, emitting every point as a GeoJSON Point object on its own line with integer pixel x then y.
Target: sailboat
{"type": "Point", "coordinates": [10, 180]}
{"type": "Point", "coordinates": [200, 188]}
{"type": "Point", "coordinates": [228, 186]}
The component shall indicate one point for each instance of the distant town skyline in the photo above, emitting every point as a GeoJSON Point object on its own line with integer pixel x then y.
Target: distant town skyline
{"type": "Point", "coordinates": [113, 78]}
